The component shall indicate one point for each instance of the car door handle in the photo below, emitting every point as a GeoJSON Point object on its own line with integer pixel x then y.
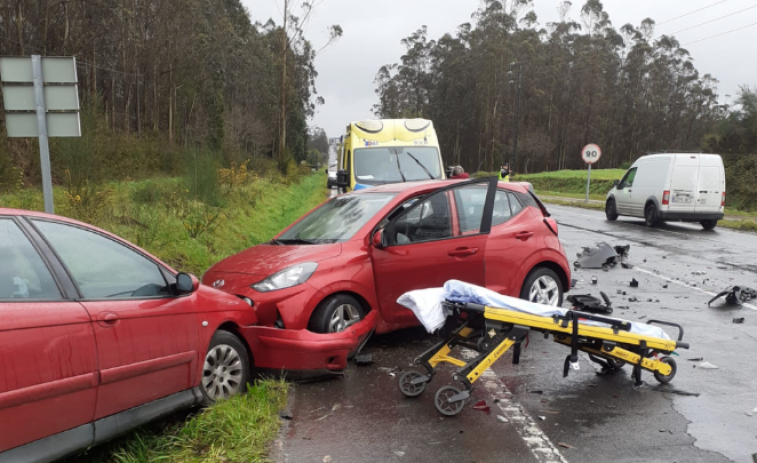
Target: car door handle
{"type": "Point", "coordinates": [462, 252]}
{"type": "Point", "coordinates": [108, 319]}
{"type": "Point", "coordinates": [524, 235]}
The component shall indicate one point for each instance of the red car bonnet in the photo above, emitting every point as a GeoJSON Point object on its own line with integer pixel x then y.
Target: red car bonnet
{"type": "Point", "coordinates": [268, 259]}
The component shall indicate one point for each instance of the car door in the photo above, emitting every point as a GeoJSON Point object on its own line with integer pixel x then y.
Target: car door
{"type": "Point", "coordinates": [514, 237]}
{"type": "Point", "coordinates": [440, 237]}
{"type": "Point", "coordinates": [624, 193]}
{"type": "Point", "coordinates": [147, 338]}
{"type": "Point", "coordinates": [48, 363]}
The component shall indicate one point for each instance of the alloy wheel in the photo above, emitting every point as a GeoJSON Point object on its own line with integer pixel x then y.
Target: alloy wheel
{"type": "Point", "coordinates": [344, 316]}
{"type": "Point", "coordinates": [222, 372]}
{"type": "Point", "coordinates": [545, 290]}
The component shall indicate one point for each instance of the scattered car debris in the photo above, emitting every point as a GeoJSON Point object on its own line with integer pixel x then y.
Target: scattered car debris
{"type": "Point", "coordinates": [696, 359]}
{"type": "Point", "coordinates": [626, 265]}
{"type": "Point", "coordinates": [664, 286]}
{"type": "Point", "coordinates": [538, 391]}
{"type": "Point", "coordinates": [738, 320]}
{"type": "Point", "coordinates": [482, 406]}
{"type": "Point", "coordinates": [736, 295]}
{"type": "Point", "coordinates": [565, 446]}
{"type": "Point", "coordinates": [632, 299]}
{"type": "Point", "coordinates": [597, 257]}
{"type": "Point", "coordinates": [706, 366]}
{"type": "Point", "coordinates": [364, 359]}
{"type": "Point", "coordinates": [502, 419]}
{"type": "Point", "coordinates": [573, 282]}
{"type": "Point", "coordinates": [634, 283]}
{"type": "Point", "coordinates": [699, 272]}
{"type": "Point", "coordinates": [591, 304]}
{"type": "Point", "coordinates": [542, 417]}
{"type": "Point", "coordinates": [622, 251]}
{"type": "Point", "coordinates": [623, 307]}
{"type": "Point", "coordinates": [594, 280]}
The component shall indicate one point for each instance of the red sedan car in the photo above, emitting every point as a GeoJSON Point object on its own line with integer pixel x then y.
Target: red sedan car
{"type": "Point", "coordinates": [325, 283]}
{"type": "Point", "coordinates": [97, 337]}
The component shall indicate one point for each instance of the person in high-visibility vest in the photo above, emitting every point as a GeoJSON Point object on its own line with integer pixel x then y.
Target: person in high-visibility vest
{"type": "Point", "coordinates": [504, 172]}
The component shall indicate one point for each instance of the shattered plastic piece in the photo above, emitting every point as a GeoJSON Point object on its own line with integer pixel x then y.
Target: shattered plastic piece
{"type": "Point", "coordinates": [622, 251]}
{"type": "Point", "coordinates": [541, 417]}
{"type": "Point", "coordinates": [502, 419]}
{"type": "Point", "coordinates": [626, 265]}
{"type": "Point", "coordinates": [738, 320]}
{"type": "Point", "coordinates": [537, 392]}
{"type": "Point", "coordinates": [565, 446]}
{"type": "Point", "coordinates": [632, 299]}
{"type": "Point", "coordinates": [699, 272]}
{"type": "Point", "coordinates": [707, 366]}
{"type": "Point", "coordinates": [736, 295]}
{"type": "Point", "coordinates": [697, 359]}
{"type": "Point", "coordinates": [664, 286]}
{"type": "Point", "coordinates": [573, 282]}
{"type": "Point", "coordinates": [634, 283]}
{"type": "Point", "coordinates": [594, 280]}
{"type": "Point", "coordinates": [591, 304]}
{"type": "Point", "coordinates": [596, 257]}
{"type": "Point", "coordinates": [364, 359]}
{"type": "Point", "coordinates": [481, 405]}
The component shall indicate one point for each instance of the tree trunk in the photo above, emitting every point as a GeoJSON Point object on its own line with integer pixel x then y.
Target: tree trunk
{"type": "Point", "coordinates": [20, 26]}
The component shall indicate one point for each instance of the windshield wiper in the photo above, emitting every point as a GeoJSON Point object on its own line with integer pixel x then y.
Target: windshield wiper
{"type": "Point", "coordinates": [399, 168]}
{"type": "Point", "coordinates": [419, 163]}
{"type": "Point", "coordinates": [296, 241]}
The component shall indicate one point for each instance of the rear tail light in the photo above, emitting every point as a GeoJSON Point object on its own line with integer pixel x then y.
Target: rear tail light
{"type": "Point", "coordinates": [665, 198]}
{"type": "Point", "coordinates": [722, 200]}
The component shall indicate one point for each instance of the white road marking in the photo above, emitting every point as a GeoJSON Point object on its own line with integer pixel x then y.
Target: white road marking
{"type": "Point", "coordinates": [684, 284]}
{"type": "Point", "coordinates": [537, 442]}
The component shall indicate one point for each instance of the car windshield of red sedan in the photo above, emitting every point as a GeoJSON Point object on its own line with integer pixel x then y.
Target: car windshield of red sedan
{"type": "Point", "coordinates": [336, 221]}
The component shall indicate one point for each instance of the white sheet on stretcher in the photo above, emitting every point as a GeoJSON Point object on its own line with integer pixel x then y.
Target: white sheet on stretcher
{"type": "Point", "coordinates": [427, 306]}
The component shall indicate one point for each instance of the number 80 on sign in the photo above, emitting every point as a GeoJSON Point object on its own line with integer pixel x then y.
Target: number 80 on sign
{"type": "Point", "coordinates": [591, 153]}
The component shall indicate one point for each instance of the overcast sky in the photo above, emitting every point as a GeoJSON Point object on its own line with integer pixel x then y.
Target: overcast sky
{"type": "Point", "coordinates": [373, 30]}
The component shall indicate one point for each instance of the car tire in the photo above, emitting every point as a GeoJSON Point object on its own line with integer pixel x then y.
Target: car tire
{"type": "Point", "coordinates": [538, 287]}
{"type": "Point", "coordinates": [709, 224]}
{"type": "Point", "coordinates": [335, 314]}
{"type": "Point", "coordinates": [611, 210]}
{"type": "Point", "coordinates": [226, 368]}
{"type": "Point", "coordinates": [651, 217]}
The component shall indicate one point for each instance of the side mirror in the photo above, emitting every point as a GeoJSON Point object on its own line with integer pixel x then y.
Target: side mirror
{"type": "Point", "coordinates": [616, 183]}
{"type": "Point", "coordinates": [379, 240]}
{"type": "Point", "coordinates": [342, 179]}
{"type": "Point", "coordinates": [186, 283]}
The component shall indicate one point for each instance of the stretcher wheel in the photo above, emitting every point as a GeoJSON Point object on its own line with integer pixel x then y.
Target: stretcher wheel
{"type": "Point", "coordinates": [616, 364]}
{"type": "Point", "coordinates": [666, 378]}
{"type": "Point", "coordinates": [443, 404]}
{"type": "Point", "coordinates": [408, 388]}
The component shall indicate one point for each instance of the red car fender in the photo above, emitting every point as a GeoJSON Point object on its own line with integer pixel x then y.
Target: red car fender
{"type": "Point", "coordinates": [543, 255]}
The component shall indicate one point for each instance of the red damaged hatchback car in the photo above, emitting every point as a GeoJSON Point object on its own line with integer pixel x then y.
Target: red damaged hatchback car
{"type": "Point", "coordinates": [324, 284]}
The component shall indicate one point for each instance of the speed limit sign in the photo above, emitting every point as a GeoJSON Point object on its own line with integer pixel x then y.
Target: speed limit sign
{"type": "Point", "coordinates": [591, 153]}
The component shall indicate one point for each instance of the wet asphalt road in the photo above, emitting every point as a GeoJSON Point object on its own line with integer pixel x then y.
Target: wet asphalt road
{"type": "Point", "coordinates": [364, 418]}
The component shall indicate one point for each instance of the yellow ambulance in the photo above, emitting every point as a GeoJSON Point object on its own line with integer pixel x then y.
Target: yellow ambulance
{"type": "Point", "coordinates": [380, 151]}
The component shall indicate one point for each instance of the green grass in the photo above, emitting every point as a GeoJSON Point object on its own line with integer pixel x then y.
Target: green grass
{"type": "Point", "coordinates": [160, 216]}
{"type": "Point", "coordinates": [596, 174]}
{"type": "Point", "coordinates": [237, 430]}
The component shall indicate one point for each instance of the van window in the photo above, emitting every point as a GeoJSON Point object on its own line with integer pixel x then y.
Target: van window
{"type": "Point", "coordinates": [628, 178]}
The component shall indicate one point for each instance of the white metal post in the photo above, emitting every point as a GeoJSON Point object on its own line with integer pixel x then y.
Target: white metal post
{"type": "Point", "coordinates": [44, 147]}
{"type": "Point", "coordinates": [588, 180]}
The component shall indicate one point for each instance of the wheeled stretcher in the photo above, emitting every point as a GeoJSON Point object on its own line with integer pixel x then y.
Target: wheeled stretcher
{"type": "Point", "coordinates": [491, 331]}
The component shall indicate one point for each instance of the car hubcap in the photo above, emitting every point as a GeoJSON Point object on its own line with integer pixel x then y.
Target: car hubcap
{"type": "Point", "coordinates": [344, 316]}
{"type": "Point", "coordinates": [222, 373]}
{"type": "Point", "coordinates": [545, 291]}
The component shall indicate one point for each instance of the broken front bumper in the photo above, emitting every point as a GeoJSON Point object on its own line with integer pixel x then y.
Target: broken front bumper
{"type": "Point", "coordinates": [302, 354]}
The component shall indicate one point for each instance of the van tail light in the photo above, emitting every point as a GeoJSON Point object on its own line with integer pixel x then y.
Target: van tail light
{"type": "Point", "coordinates": [551, 224]}
{"type": "Point", "coordinates": [665, 198]}
{"type": "Point", "coordinates": [722, 200]}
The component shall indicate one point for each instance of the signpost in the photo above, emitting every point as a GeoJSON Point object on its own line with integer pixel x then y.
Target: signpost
{"type": "Point", "coordinates": [590, 154]}
{"type": "Point", "coordinates": [41, 100]}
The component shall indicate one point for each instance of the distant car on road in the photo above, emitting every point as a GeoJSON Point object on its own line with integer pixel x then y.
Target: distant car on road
{"type": "Point", "coordinates": [341, 268]}
{"type": "Point", "coordinates": [98, 337]}
{"type": "Point", "coordinates": [671, 187]}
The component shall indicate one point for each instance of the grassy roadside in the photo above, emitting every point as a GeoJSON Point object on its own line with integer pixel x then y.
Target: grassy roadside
{"type": "Point", "coordinates": [190, 229]}
{"type": "Point", "coordinates": [238, 430]}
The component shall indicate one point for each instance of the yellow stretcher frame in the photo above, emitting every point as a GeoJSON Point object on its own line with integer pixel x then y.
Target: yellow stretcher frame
{"type": "Point", "coordinates": [497, 330]}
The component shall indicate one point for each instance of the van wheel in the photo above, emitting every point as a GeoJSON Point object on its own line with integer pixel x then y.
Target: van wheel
{"type": "Point", "coordinates": [335, 314]}
{"type": "Point", "coordinates": [650, 215]}
{"type": "Point", "coordinates": [709, 224]}
{"type": "Point", "coordinates": [226, 370]}
{"type": "Point", "coordinates": [611, 211]}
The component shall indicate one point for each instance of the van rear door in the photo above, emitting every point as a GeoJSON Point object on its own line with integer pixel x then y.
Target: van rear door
{"type": "Point", "coordinates": [711, 184]}
{"type": "Point", "coordinates": [683, 183]}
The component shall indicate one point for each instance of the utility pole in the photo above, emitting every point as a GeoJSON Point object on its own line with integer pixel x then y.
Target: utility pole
{"type": "Point", "coordinates": [514, 155]}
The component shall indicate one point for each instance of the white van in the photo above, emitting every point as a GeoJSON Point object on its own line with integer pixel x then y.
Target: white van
{"type": "Point", "coordinates": [671, 187]}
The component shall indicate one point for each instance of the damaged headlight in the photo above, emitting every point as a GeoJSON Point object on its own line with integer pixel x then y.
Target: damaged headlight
{"type": "Point", "coordinates": [292, 276]}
